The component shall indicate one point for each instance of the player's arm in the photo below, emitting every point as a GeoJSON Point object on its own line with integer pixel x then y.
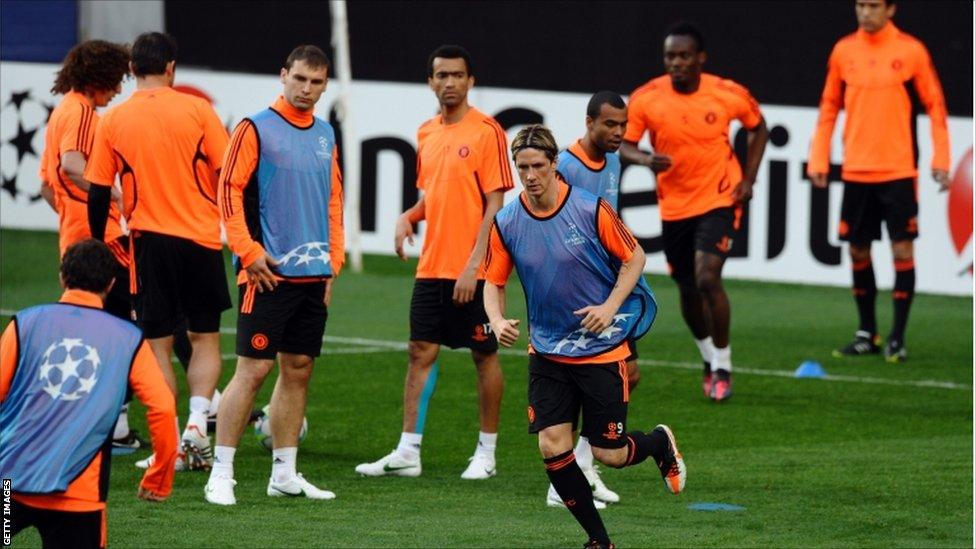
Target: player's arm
{"type": "Point", "coordinates": [337, 234]}
{"type": "Point", "coordinates": [404, 226]}
{"type": "Point", "coordinates": [756, 138]}
{"type": "Point", "coordinates": [620, 243]}
{"type": "Point", "coordinates": [497, 268]}
{"type": "Point", "coordinates": [240, 161]}
{"type": "Point", "coordinates": [831, 101]}
{"type": "Point", "coordinates": [930, 94]}
{"type": "Point", "coordinates": [149, 386]}
{"type": "Point", "coordinates": [214, 142]}
{"type": "Point", "coordinates": [467, 283]}
{"type": "Point", "coordinates": [47, 193]}
{"type": "Point", "coordinates": [99, 172]}
{"type": "Point", "coordinates": [629, 150]}
{"type": "Point", "coordinates": [8, 357]}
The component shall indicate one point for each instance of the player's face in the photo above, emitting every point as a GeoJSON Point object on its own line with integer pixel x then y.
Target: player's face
{"type": "Point", "coordinates": [536, 172]}
{"type": "Point", "coordinates": [104, 97]}
{"type": "Point", "coordinates": [304, 84]}
{"type": "Point", "coordinates": [450, 81]}
{"type": "Point", "coordinates": [682, 60]}
{"type": "Point", "coordinates": [872, 15]}
{"type": "Point", "coordinates": [607, 131]}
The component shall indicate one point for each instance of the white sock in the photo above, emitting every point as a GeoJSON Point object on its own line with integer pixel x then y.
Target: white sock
{"type": "Point", "coordinates": [584, 453]}
{"type": "Point", "coordinates": [223, 465]}
{"type": "Point", "coordinates": [122, 424]}
{"type": "Point", "coordinates": [199, 408]}
{"type": "Point", "coordinates": [723, 359]}
{"type": "Point", "coordinates": [707, 349]}
{"type": "Point", "coordinates": [214, 403]}
{"type": "Point", "coordinates": [283, 464]}
{"type": "Point", "coordinates": [409, 447]}
{"type": "Point", "coordinates": [486, 444]}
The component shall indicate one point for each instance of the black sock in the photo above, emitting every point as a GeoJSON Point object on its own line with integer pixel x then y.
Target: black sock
{"type": "Point", "coordinates": [640, 446]}
{"type": "Point", "coordinates": [865, 291]}
{"type": "Point", "coordinates": [901, 297]}
{"type": "Point", "coordinates": [573, 488]}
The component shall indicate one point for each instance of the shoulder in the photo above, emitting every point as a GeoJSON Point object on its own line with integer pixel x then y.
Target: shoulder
{"type": "Point", "coordinates": [485, 124]}
{"type": "Point", "coordinates": [845, 44]}
{"type": "Point", "coordinates": [649, 89]}
{"type": "Point", "coordinates": [727, 85]}
{"type": "Point", "coordinates": [912, 44]}
{"type": "Point", "coordinates": [428, 127]}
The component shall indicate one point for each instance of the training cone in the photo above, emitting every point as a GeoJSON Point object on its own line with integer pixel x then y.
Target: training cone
{"type": "Point", "coordinates": [810, 368]}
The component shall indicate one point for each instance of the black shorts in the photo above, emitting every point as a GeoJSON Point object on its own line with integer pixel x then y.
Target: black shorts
{"type": "Point", "coordinates": [178, 277]}
{"type": "Point", "coordinates": [59, 529]}
{"type": "Point", "coordinates": [710, 232]}
{"type": "Point", "coordinates": [118, 303]}
{"type": "Point", "coordinates": [435, 318]}
{"type": "Point", "coordinates": [866, 205]}
{"type": "Point", "coordinates": [289, 319]}
{"type": "Point", "coordinates": [557, 393]}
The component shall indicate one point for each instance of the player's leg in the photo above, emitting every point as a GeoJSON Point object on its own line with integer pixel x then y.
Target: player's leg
{"type": "Point", "coordinates": [860, 224]}
{"type": "Point", "coordinates": [900, 202]}
{"type": "Point", "coordinates": [118, 303]}
{"type": "Point", "coordinates": [61, 529]}
{"type": "Point", "coordinates": [471, 329]}
{"type": "Point", "coordinates": [713, 239]}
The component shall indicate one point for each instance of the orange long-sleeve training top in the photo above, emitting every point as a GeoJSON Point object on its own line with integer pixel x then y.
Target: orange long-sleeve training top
{"type": "Point", "coordinates": [871, 77]}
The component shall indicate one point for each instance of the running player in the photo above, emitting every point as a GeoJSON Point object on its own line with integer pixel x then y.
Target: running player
{"type": "Point", "coordinates": [54, 432]}
{"type": "Point", "coordinates": [281, 202]}
{"type": "Point", "coordinates": [872, 74]}
{"type": "Point", "coordinates": [166, 148]}
{"type": "Point", "coordinates": [592, 163]}
{"type": "Point", "coordinates": [579, 267]}
{"type": "Point", "coordinates": [463, 171]}
{"type": "Point", "coordinates": [700, 185]}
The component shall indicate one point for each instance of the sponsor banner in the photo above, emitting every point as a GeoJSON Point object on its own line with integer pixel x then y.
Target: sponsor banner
{"type": "Point", "coordinates": [789, 232]}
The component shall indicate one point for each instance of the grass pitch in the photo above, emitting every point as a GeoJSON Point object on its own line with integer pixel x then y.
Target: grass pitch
{"type": "Point", "coordinates": [876, 455]}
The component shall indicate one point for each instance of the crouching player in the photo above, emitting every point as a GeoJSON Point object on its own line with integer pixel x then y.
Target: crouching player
{"type": "Point", "coordinates": [64, 369]}
{"type": "Point", "coordinates": [579, 266]}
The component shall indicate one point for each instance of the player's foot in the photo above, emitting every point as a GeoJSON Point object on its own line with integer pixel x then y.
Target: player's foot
{"type": "Point", "coordinates": [707, 384]}
{"type": "Point", "coordinates": [594, 544]}
{"type": "Point", "coordinates": [196, 446]}
{"type": "Point", "coordinates": [672, 465]}
{"type": "Point", "coordinates": [295, 487]}
{"type": "Point", "coordinates": [220, 490]}
{"type": "Point", "coordinates": [600, 490]}
{"type": "Point", "coordinates": [130, 442]}
{"type": "Point", "coordinates": [721, 385]}
{"type": "Point", "coordinates": [864, 343]}
{"type": "Point", "coordinates": [148, 462]}
{"type": "Point", "coordinates": [895, 352]}
{"type": "Point", "coordinates": [480, 467]}
{"type": "Point", "coordinates": [553, 500]}
{"type": "Point", "coordinates": [390, 464]}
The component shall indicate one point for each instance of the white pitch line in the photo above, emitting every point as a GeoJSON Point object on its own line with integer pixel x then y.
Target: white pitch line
{"type": "Point", "coordinates": [371, 346]}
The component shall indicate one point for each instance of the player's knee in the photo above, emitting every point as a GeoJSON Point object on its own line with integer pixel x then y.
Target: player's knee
{"type": "Point", "coordinates": [611, 457]}
{"type": "Point", "coordinates": [686, 285]}
{"type": "Point", "coordinates": [902, 250]}
{"type": "Point", "coordinates": [708, 282]}
{"type": "Point", "coordinates": [421, 353]}
{"type": "Point", "coordinates": [553, 442]}
{"type": "Point", "coordinates": [859, 253]}
{"type": "Point", "coordinates": [251, 373]}
{"type": "Point", "coordinates": [297, 368]}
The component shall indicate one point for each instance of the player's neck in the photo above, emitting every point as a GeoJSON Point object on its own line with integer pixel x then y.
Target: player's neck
{"type": "Point", "coordinates": [546, 202]}
{"type": "Point", "coordinates": [89, 97]}
{"type": "Point", "coordinates": [687, 88]}
{"type": "Point", "coordinates": [152, 81]}
{"type": "Point", "coordinates": [453, 115]}
{"type": "Point", "coordinates": [592, 151]}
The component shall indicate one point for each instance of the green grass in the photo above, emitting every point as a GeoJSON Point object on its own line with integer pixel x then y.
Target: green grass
{"type": "Point", "coordinates": [814, 462]}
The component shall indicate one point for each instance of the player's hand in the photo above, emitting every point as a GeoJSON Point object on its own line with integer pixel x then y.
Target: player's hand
{"type": "Point", "coordinates": [659, 162]}
{"type": "Point", "coordinates": [149, 495]}
{"type": "Point", "coordinates": [942, 178]}
{"type": "Point", "coordinates": [117, 198]}
{"type": "Point", "coordinates": [596, 318]}
{"type": "Point", "coordinates": [260, 274]}
{"type": "Point", "coordinates": [743, 191]}
{"type": "Point", "coordinates": [819, 180]}
{"type": "Point", "coordinates": [404, 230]}
{"type": "Point", "coordinates": [506, 331]}
{"type": "Point", "coordinates": [328, 291]}
{"type": "Point", "coordinates": [465, 286]}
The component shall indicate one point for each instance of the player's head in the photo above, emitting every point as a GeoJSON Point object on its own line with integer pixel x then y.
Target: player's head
{"type": "Point", "coordinates": [305, 75]}
{"type": "Point", "coordinates": [88, 265]}
{"type": "Point", "coordinates": [154, 54]}
{"type": "Point", "coordinates": [873, 15]}
{"type": "Point", "coordinates": [534, 150]}
{"type": "Point", "coordinates": [684, 54]}
{"type": "Point", "coordinates": [95, 68]}
{"type": "Point", "coordinates": [450, 74]}
{"type": "Point", "coordinates": [606, 120]}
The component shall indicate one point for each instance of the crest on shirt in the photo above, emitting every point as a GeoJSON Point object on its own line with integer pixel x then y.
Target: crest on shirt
{"type": "Point", "coordinates": [711, 117]}
{"type": "Point", "coordinates": [573, 236]}
{"type": "Point", "coordinates": [323, 151]}
{"type": "Point", "coordinates": [897, 64]}
{"type": "Point", "coordinates": [464, 151]}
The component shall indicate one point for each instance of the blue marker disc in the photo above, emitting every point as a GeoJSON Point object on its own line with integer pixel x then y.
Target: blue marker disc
{"type": "Point", "coordinates": [715, 507]}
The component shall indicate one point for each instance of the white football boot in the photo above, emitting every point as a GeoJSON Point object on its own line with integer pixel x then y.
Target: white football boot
{"type": "Point", "coordinates": [220, 490]}
{"type": "Point", "coordinates": [600, 490]}
{"type": "Point", "coordinates": [196, 447]}
{"type": "Point", "coordinates": [391, 464]}
{"type": "Point", "coordinates": [297, 486]}
{"type": "Point", "coordinates": [148, 462]}
{"type": "Point", "coordinates": [553, 500]}
{"type": "Point", "coordinates": [480, 467]}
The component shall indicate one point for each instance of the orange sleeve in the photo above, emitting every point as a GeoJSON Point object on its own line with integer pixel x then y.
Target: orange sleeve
{"type": "Point", "coordinates": [214, 138]}
{"type": "Point", "coordinates": [148, 384]}
{"type": "Point", "coordinates": [745, 108]}
{"type": "Point", "coordinates": [498, 263]}
{"type": "Point", "coordinates": [102, 164]}
{"type": "Point", "coordinates": [337, 232]}
{"type": "Point", "coordinates": [239, 163]}
{"type": "Point", "coordinates": [8, 357]}
{"type": "Point", "coordinates": [494, 173]}
{"type": "Point", "coordinates": [831, 101]}
{"type": "Point", "coordinates": [635, 121]}
{"type": "Point", "coordinates": [78, 130]}
{"type": "Point", "coordinates": [930, 93]}
{"type": "Point", "coordinates": [615, 236]}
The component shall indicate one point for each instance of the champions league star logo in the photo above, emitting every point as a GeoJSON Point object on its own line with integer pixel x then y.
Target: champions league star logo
{"type": "Point", "coordinates": [69, 368]}
{"type": "Point", "coordinates": [324, 151]}
{"type": "Point", "coordinates": [579, 340]}
{"type": "Point", "coordinates": [306, 253]}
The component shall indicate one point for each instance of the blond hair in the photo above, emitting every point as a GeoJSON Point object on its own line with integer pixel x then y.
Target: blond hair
{"type": "Point", "coordinates": [536, 136]}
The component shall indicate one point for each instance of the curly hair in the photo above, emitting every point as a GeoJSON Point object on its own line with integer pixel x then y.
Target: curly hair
{"type": "Point", "coordinates": [88, 265]}
{"type": "Point", "coordinates": [93, 65]}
